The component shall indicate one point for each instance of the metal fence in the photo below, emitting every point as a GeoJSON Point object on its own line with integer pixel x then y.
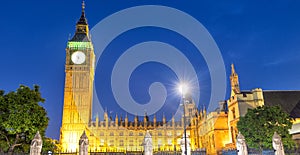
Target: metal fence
{"type": "Point", "coordinates": [258, 152]}
{"type": "Point", "coordinates": [2, 153]}
{"type": "Point", "coordinates": [200, 152]}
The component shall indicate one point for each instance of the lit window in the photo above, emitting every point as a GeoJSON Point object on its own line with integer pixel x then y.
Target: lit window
{"type": "Point", "coordinates": [121, 143]}
{"type": "Point", "coordinates": [101, 142]}
{"type": "Point", "coordinates": [159, 142]}
{"type": "Point", "coordinates": [178, 141]}
{"type": "Point", "coordinates": [111, 143]}
{"type": "Point", "coordinates": [170, 141]}
{"type": "Point", "coordinates": [131, 142]}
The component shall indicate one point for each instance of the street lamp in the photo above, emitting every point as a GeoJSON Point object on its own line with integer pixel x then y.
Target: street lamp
{"type": "Point", "coordinates": [183, 89]}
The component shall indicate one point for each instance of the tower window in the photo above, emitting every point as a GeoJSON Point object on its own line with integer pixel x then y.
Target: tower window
{"type": "Point", "coordinates": [233, 113]}
{"type": "Point", "coordinates": [232, 134]}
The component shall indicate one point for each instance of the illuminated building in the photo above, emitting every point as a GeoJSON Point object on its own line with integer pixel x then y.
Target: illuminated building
{"type": "Point", "coordinates": [240, 101]}
{"type": "Point", "coordinates": [78, 91]}
{"type": "Point", "coordinates": [212, 131]}
{"type": "Point", "coordinates": [217, 130]}
{"type": "Point", "coordinates": [106, 134]}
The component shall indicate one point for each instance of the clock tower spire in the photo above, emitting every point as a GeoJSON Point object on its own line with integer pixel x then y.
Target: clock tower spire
{"type": "Point", "coordinates": [79, 80]}
{"type": "Point", "coordinates": [82, 27]}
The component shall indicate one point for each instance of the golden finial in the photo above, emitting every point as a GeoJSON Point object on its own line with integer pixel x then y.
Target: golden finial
{"type": "Point", "coordinates": [83, 6]}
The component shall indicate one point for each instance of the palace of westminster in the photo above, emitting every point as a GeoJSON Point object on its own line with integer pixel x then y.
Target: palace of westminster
{"type": "Point", "coordinates": [212, 131]}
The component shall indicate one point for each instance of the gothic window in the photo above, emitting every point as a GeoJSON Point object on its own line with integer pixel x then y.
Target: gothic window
{"type": "Point", "coordinates": [101, 133]}
{"type": "Point", "coordinates": [159, 142]}
{"type": "Point", "coordinates": [111, 134]}
{"type": "Point", "coordinates": [232, 134]}
{"type": "Point", "coordinates": [235, 132]}
{"type": "Point", "coordinates": [169, 141]}
{"type": "Point", "coordinates": [121, 134]}
{"type": "Point", "coordinates": [130, 133]}
{"type": "Point", "coordinates": [213, 140]}
{"type": "Point", "coordinates": [141, 134]}
{"type": "Point", "coordinates": [159, 134]}
{"type": "Point", "coordinates": [233, 113]}
{"type": "Point", "coordinates": [111, 143]}
{"type": "Point", "coordinates": [131, 142]}
{"type": "Point", "coordinates": [121, 143]}
{"type": "Point", "coordinates": [178, 141]}
{"type": "Point", "coordinates": [101, 142]}
{"type": "Point", "coordinates": [190, 112]}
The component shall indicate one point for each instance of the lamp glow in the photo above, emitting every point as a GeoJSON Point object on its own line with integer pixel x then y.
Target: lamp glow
{"type": "Point", "coordinates": [183, 89]}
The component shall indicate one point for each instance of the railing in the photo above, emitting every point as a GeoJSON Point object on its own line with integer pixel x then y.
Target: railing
{"type": "Point", "coordinates": [199, 152]}
{"type": "Point", "coordinates": [258, 152]}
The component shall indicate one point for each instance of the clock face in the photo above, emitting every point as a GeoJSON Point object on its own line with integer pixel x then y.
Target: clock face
{"type": "Point", "coordinates": [78, 57]}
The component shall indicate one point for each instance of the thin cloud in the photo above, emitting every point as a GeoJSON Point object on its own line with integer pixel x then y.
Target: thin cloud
{"type": "Point", "coordinates": [282, 60]}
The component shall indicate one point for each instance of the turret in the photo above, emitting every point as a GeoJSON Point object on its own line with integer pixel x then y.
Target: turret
{"type": "Point", "coordinates": [200, 114]}
{"type": "Point", "coordinates": [204, 112]}
{"type": "Point", "coordinates": [97, 120]}
{"type": "Point", "coordinates": [116, 120]}
{"type": "Point", "coordinates": [146, 119]}
{"type": "Point", "coordinates": [234, 82]}
{"type": "Point", "coordinates": [164, 119]}
{"type": "Point", "coordinates": [154, 120]}
{"type": "Point", "coordinates": [223, 106]}
{"type": "Point", "coordinates": [106, 118]}
{"type": "Point", "coordinates": [173, 120]}
{"type": "Point", "coordinates": [136, 121]}
{"type": "Point", "coordinates": [126, 120]}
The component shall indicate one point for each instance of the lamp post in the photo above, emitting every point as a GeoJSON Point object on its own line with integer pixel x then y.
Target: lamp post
{"type": "Point", "coordinates": [183, 90]}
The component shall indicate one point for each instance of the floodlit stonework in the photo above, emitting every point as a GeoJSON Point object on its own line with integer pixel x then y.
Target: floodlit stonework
{"type": "Point", "coordinates": [212, 131]}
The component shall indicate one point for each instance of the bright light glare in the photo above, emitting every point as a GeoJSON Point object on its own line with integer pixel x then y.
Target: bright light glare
{"type": "Point", "coordinates": [183, 88]}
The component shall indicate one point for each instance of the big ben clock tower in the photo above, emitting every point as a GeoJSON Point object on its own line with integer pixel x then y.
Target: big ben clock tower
{"type": "Point", "coordinates": [78, 90]}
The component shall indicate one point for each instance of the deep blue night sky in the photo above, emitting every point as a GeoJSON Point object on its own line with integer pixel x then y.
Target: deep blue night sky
{"type": "Point", "coordinates": [260, 37]}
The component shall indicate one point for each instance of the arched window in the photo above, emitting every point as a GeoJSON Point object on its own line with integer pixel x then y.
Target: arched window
{"type": "Point", "coordinates": [233, 113]}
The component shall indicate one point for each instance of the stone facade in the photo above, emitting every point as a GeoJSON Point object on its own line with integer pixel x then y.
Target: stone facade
{"type": "Point", "coordinates": [240, 101]}
{"type": "Point", "coordinates": [212, 131]}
